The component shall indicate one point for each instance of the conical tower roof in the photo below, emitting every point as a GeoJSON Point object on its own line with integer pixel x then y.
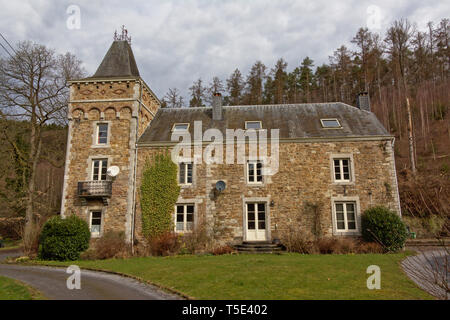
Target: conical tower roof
{"type": "Point", "coordinates": [118, 62]}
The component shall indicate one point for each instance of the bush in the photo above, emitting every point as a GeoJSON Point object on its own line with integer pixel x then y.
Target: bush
{"type": "Point", "coordinates": [110, 245]}
{"type": "Point", "coordinates": [64, 239]}
{"type": "Point", "coordinates": [165, 244]}
{"type": "Point", "coordinates": [226, 249]}
{"type": "Point", "coordinates": [384, 226]}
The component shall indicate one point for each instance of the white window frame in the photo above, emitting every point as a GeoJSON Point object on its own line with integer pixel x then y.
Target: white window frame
{"type": "Point", "coordinates": [98, 133]}
{"type": "Point", "coordinates": [255, 178]}
{"type": "Point", "coordinates": [185, 180]}
{"type": "Point", "coordinates": [184, 205]}
{"type": "Point", "coordinates": [96, 129]}
{"type": "Point", "coordinates": [99, 168]}
{"type": "Point", "coordinates": [344, 200]}
{"type": "Point", "coordinates": [96, 234]}
{"type": "Point", "coordinates": [330, 119]}
{"type": "Point", "coordinates": [341, 169]}
{"type": "Point", "coordinates": [247, 122]}
{"type": "Point", "coordinates": [180, 130]}
{"type": "Point", "coordinates": [351, 168]}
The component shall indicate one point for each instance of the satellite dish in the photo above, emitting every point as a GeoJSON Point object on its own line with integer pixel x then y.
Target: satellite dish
{"type": "Point", "coordinates": [113, 171]}
{"type": "Point", "coordinates": [220, 185]}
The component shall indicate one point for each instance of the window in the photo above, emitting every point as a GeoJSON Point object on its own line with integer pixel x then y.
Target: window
{"type": "Point", "coordinates": [256, 216]}
{"type": "Point", "coordinates": [185, 173]}
{"type": "Point", "coordinates": [342, 170]}
{"type": "Point", "coordinates": [330, 123]}
{"type": "Point", "coordinates": [102, 133]}
{"type": "Point", "coordinates": [179, 127]}
{"type": "Point", "coordinates": [254, 171]}
{"type": "Point", "coordinates": [345, 216]}
{"type": "Point", "coordinates": [253, 125]}
{"type": "Point", "coordinates": [99, 167]}
{"type": "Point", "coordinates": [184, 220]}
{"type": "Point", "coordinates": [96, 223]}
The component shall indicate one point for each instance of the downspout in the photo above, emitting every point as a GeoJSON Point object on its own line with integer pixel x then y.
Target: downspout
{"type": "Point", "coordinates": [395, 178]}
{"type": "Point", "coordinates": [133, 218]}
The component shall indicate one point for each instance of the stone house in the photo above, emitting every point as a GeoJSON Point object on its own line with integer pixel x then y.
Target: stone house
{"type": "Point", "coordinates": [333, 160]}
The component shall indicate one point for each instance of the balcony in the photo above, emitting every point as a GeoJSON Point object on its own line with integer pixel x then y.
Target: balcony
{"type": "Point", "coordinates": [95, 189]}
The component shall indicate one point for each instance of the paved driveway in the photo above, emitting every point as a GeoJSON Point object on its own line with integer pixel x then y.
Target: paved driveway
{"type": "Point", "coordinates": [94, 285]}
{"type": "Point", "coordinates": [430, 270]}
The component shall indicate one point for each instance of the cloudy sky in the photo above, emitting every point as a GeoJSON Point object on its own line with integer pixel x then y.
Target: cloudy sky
{"type": "Point", "coordinates": [176, 42]}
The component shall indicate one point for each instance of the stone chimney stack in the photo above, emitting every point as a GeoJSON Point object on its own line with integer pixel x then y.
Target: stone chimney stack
{"type": "Point", "coordinates": [217, 113]}
{"type": "Point", "coordinates": [363, 101]}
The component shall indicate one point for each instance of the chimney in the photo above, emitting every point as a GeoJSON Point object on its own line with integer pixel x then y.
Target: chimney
{"type": "Point", "coordinates": [363, 101]}
{"type": "Point", "coordinates": [217, 106]}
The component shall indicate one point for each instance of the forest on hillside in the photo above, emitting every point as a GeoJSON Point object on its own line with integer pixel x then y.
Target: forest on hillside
{"type": "Point", "coordinates": [405, 71]}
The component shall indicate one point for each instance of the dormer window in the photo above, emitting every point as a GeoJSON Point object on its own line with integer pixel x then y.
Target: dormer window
{"type": "Point", "coordinates": [330, 123]}
{"type": "Point", "coordinates": [102, 133]}
{"type": "Point", "coordinates": [256, 125]}
{"type": "Point", "coordinates": [180, 127]}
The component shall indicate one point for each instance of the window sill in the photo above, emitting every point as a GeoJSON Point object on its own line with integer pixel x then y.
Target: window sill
{"type": "Point", "coordinates": [346, 233]}
{"type": "Point", "coordinates": [95, 235]}
{"type": "Point", "coordinates": [101, 146]}
{"type": "Point", "coordinates": [345, 183]}
{"type": "Point", "coordinates": [185, 185]}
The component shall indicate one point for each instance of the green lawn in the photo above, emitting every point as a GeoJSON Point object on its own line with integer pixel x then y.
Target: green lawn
{"type": "Point", "coordinates": [287, 276]}
{"type": "Point", "coordinates": [11, 289]}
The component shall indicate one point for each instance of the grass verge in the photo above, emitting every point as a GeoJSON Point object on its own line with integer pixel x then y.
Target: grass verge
{"type": "Point", "coordinates": [286, 276]}
{"type": "Point", "coordinates": [11, 289]}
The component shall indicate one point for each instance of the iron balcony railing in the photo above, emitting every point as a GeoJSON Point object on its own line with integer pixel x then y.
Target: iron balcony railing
{"type": "Point", "coordinates": [99, 188]}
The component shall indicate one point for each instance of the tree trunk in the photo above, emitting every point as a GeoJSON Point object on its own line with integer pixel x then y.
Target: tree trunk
{"type": "Point", "coordinates": [412, 152]}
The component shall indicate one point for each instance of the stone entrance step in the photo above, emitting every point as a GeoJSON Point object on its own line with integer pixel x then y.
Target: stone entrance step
{"type": "Point", "coordinates": [258, 247]}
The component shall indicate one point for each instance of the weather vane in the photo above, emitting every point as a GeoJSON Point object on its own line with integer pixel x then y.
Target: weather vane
{"type": "Point", "coordinates": [122, 37]}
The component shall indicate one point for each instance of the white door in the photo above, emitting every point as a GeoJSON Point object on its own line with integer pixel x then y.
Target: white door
{"type": "Point", "coordinates": [256, 221]}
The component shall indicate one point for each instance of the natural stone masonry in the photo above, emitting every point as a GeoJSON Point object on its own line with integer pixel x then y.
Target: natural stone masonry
{"type": "Point", "coordinates": [128, 106]}
{"type": "Point", "coordinates": [304, 176]}
{"type": "Point", "coordinates": [138, 129]}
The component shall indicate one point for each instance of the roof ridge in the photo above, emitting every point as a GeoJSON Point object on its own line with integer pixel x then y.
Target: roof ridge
{"type": "Point", "coordinates": [262, 105]}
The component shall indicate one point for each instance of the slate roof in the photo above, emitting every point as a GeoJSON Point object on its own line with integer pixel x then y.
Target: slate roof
{"type": "Point", "coordinates": [295, 121]}
{"type": "Point", "coordinates": [118, 62]}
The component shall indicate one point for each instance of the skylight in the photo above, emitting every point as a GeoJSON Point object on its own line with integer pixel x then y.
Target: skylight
{"type": "Point", "coordinates": [253, 125]}
{"type": "Point", "coordinates": [330, 123]}
{"type": "Point", "coordinates": [180, 127]}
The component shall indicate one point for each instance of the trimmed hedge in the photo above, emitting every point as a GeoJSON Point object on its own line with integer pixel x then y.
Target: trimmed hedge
{"type": "Point", "coordinates": [379, 224]}
{"type": "Point", "coordinates": [64, 239]}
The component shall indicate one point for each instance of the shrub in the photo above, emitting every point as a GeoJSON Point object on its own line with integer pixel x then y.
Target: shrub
{"type": "Point", "coordinates": [110, 245]}
{"type": "Point", "coordinates": [196, 241]}
{"type": "Point", "coordinates": [226, 249]}
{"type": "Point", "coordinates": [165, 244]}
{"type": "Point", "coordinates": [384, 226]}
{"type": "Point", "coordinates": [370, 247]}
{"type": "Point", "coordinates": [64, 239]}
{"type": "Point", "coordinates": [295, 240]}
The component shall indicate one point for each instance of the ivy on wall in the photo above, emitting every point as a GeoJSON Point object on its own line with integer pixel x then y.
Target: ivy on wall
{"type": "Point", "coordinates": [159, 193]}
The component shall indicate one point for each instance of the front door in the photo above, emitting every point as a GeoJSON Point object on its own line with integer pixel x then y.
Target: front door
{"type": "Point", "coordinates": [256, 221]}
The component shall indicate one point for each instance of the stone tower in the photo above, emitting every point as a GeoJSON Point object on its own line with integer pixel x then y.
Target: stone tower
{"type": "Point", "coordinates": [107, 114]}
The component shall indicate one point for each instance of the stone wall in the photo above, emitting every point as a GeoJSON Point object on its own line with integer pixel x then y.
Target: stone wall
{"type": "Point", "coordinates": [128, 107]}
{"type": "Point", "coordinates": [304, 178]}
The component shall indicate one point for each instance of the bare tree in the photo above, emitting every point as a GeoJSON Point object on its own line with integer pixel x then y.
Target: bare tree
{"type": "Point", "coordinates": [33, 87]}
{"type": "Point", "coordinates": [173, 98]}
